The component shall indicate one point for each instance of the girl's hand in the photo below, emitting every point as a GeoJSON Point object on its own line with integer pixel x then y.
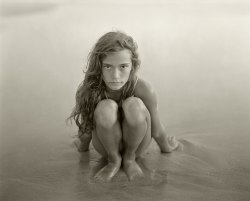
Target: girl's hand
{"type": "Point", "coordinates": [82, 143]}
{"type": "Point", "coordinates": [167, 144]}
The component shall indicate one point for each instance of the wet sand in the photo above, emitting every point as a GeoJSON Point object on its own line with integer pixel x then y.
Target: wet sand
{"type": "Point", "coordinates": [196, 56]}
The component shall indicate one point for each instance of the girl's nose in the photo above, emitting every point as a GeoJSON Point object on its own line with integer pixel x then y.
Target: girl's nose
{"type": "Point", "coordinates": [116, 73]}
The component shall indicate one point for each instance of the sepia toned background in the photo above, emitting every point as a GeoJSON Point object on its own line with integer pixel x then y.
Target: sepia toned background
{"type": "Point", "coordinates": [195, 54]}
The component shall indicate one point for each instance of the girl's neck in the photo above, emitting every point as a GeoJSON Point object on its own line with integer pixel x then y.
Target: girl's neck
{"type": "Point", "coordinates": [113, 93]}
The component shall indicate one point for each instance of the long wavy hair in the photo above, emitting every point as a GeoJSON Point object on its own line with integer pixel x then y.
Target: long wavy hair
{"type": "Point", "coordinates": [92, 88]}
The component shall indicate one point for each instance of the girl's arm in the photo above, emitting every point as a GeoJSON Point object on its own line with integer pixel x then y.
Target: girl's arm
{"type": "Point", "coordinates": [146, 92]}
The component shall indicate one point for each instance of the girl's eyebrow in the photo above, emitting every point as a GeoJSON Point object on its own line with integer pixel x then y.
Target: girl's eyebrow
{"type": "Point", "coordinates": [119, 64]}
{"type": "Point", "coordinates": [124, 64]}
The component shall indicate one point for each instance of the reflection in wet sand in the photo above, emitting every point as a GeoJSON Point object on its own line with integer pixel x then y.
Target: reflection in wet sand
{"type": "Point", "coordinates": [151, 176]}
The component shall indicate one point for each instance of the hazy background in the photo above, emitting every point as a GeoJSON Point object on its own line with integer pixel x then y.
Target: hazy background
{"type": "Point", "coordinates": [195, 54]}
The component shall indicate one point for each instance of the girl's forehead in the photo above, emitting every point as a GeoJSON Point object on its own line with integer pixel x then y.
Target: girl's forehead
{"type": "Point", "coordinates": [120, 56]}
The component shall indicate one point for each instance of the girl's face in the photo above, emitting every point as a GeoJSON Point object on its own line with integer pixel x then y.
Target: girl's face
{"type": "Point", "coordinates": [116, 69]}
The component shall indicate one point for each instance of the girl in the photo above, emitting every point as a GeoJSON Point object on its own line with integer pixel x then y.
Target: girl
{"type": "Point", "coordinates": [116, 109]}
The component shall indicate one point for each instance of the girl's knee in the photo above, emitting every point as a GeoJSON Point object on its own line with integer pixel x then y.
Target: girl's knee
{"type": "Point", "coordinates": [134, 110]}
{"type": "Point", "coordinates": [105, 114]}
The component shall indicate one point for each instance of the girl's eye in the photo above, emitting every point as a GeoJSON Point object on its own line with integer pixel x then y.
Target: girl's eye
{"type": "Point", "coordinates": [123, 66]}
{"type": "Point", "coordinates": [107, 67]}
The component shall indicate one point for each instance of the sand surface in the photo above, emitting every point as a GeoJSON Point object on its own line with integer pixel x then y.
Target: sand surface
{"type": "Point", "coordinates": [197, 57]}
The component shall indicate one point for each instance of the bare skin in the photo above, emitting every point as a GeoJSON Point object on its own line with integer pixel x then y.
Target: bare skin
{"type": "Point", "coordinates": [167, 146]}
{"type": "Point", "coordinates": [135, 137]}
{"type": "Point", "coordinates": [132, 169]}
{"type": "Point", "coordinates": [140, 121]}
{"type": "Point", "coordinates": [83, 142]}
{"type": "Point", "coordinates": [147, 94]}
{"type": "Point", "coordinates": [108, 172]}
{"type": "Point", "coordinates": [107, 140]}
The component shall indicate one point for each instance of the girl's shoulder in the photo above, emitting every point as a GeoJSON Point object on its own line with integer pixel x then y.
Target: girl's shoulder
{"type": "Point", "coordinates": [144, 89]}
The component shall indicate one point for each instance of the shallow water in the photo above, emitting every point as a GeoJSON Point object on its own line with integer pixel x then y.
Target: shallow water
{"type": "Point", "coordinates": [196, 56]}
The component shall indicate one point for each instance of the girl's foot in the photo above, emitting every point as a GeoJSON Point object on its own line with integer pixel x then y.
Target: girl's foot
{"type": "Point", "coordinates": [108, 171]}
{"type": "Point", "coordinates": [132, 169]}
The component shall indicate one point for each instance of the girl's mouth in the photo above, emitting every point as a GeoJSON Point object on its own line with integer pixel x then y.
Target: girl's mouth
{"type": "Point", "coordinates": [115, 83]}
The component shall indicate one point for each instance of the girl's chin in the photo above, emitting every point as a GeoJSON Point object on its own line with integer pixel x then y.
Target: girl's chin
{"type": "Point", "coordinates": [115, 88]}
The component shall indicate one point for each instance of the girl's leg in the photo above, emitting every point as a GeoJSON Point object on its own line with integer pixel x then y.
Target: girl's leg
{"type": "Point", "coordinates": [106, 138]}
{"type": "Point", "coordinates": [136, 134]}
